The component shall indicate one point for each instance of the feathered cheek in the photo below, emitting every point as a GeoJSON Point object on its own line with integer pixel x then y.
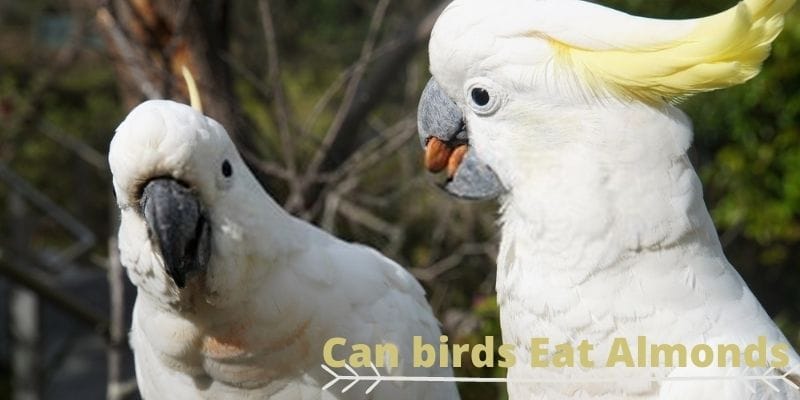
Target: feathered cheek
{"type": "Point", "coordinates": [138, 256]}
{"type": "Point", "coordinates": [133, 240]}
{"type": "Point", "coordinates": [500, 148]}
{"type": "Point", "coordinates": [485, 138]}
{"type": "Point", "coordinates": [227, 267]}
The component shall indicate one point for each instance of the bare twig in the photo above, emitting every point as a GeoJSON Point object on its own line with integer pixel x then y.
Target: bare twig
{"type": "Point", "coordinates": [23, 274]}
{"type": "Point", "coordinates": [81, 149]}
{"type": "Point", "coordinates": [439, 234]}
{"type": "Point", "coordinates": [265, 167]}
{"type": "Point", "coordinates": [364, 217]}
{"type": "Point", "coordinates": [367, 94]}
{"type": "Point", "coordinates": [85, 238]}
{"type": "Point", "coordinates": [248, 75]}
{"type": "Point", "coordinates": [446, 264]}
{"type": "Point", "coordinates": [324, 100]}
{"type": "Point", "coordinates": [43, 81]}
{"type": "Point", "coordinates": [375, 151]}
{"type": "Point", "coordinates": [126, 50]}
{"type": "Point", "coordinates": [116, 322]}
{"type": "Point", "coordinates": [281, 105]}
{"type": "Point", "coordinates": [116, 327]}
{"type": "Point", "coordinates": [335, 128]}
{"type": "Point", "coordinates": [24, 321]}
{"type": "Point", "coordinates": [332, 203]}
{"type": "Point", "coordinates": [439, 296]}
{"type": "Point", "coordinates": [345, 179]}
{"type": "Point", "coordinates": [123, 389]}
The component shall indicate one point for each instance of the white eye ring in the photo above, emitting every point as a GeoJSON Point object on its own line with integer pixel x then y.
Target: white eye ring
{"type": "Point", "coordinates": [483, 96]}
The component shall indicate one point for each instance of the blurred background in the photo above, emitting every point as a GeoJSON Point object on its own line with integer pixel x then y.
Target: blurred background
{"type": "Point", "coordinates": [320, 96]}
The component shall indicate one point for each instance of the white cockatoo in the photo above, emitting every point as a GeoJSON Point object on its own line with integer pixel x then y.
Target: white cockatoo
{"type": "Point", "coordinates": [236, 298]}
{"type": "Point", "coordinates": [565, 110]}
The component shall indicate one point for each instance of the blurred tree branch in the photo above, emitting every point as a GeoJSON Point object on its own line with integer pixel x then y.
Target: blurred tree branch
{"type": "Point", "coordinates": [351, 91]}
{"type": "Point", "coordinates": [26, 112]}
{"type": "Point", "coordinates": [281, 108]}
{"type": "Point", "coordinates": [21, 272]}
{"type": "Point", "coordinates": [363, 99]}
{"type": "Point", "coordinates": [17, 261]}
{"type": "Point", "coordinates": [151, 41]}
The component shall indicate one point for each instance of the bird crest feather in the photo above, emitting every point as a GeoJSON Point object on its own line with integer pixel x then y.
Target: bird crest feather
{"type": "Point", "coordinates": [721, 50]}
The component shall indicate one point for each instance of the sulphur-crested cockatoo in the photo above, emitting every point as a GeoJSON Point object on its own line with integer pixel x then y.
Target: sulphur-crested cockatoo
{"type": "Point", "coordinates": [236, 298]}
{"type": "Point", "coordinates": [565, 109]}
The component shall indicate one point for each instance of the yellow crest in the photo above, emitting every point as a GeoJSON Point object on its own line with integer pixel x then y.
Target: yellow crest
{"type": "Point", "coordinates": [194, 93]}
{"type": "Point", "coordinates": [722, 50]}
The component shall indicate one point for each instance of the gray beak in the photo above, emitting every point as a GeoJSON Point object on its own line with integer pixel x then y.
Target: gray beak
{"type": "Point", "coordinates": [445, 138]}
{"type": "Point", "coordinates": [177, 226]}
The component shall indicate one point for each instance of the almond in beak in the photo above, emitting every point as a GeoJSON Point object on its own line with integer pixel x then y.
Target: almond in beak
{"type": "Point", "coordinates": [437, 155]}
{"type": "Point", "coordinates": [455, 160]}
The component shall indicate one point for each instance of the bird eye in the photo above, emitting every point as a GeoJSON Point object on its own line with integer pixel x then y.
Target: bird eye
{"type": "Point", "coordinates": [484, 97]}
{"type": "Point", "coordinates": [480, 96]}
{"type": "Point", "coordinates": [227, 169]}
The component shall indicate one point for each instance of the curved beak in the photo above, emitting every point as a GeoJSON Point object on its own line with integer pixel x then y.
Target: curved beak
{"type": "Point", "coordinates": [445, 138]}
{"type": "Point", "coordinates": [177, 226]}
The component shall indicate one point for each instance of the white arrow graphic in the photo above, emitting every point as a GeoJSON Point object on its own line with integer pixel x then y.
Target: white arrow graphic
{"type": "Point", "coordinates": [768, 378]}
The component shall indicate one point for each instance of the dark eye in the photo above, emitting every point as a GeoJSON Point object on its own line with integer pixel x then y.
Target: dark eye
{"type": "Point", "coordinates": [227, 170]}
{"type": "Point", "coordinates": [483, 96]}
{"type": "Point", "coordinates": [480, 96]}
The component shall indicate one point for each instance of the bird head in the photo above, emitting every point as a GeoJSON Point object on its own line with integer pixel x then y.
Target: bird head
{"type": "Point", "coordinates": [179, 183]}
{"type": "Point", "coordinates": [518, 82]}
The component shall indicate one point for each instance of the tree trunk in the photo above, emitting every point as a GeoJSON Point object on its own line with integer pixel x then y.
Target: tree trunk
{"type": "Point", "coordinates": [151, 41]}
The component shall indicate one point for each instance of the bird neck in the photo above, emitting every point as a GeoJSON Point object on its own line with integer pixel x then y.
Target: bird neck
{"type": "Point", "coordinates": [257, 236]}
{"type": "Point", "coordinates": [628, 187]}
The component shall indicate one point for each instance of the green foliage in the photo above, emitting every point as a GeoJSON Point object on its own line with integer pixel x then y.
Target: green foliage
{"type": "Point", "coordinates": [755, 175]}
{"type": "Point", "coordinates": [487, 313]}
{"type": "Point", "coordinates": [83, 105]}
{"type": "Point", "coordinates": [748, 148]}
